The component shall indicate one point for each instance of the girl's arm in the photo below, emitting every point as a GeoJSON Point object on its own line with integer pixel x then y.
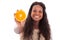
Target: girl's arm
{"type": "Point", "coordinates": [20, 25]}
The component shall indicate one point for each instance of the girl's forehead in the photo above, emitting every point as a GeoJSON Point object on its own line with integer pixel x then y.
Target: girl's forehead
{"type": "Point", "coordinates": [38, 7]}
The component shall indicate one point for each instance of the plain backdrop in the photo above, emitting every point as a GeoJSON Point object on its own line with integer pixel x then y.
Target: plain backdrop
{"type": "Point", "coordinates": [9, 7]}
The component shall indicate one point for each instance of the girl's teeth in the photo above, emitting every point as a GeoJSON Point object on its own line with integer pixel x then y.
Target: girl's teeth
{"type": "Point", "coordinates": [36, 16]}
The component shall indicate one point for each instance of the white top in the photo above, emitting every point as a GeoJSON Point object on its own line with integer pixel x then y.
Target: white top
{"type": "Point", "coordinates": [34, 36]}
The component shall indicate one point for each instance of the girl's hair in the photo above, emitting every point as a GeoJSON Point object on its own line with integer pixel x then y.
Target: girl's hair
{"type": "Point", "coordinates": [44, 27]}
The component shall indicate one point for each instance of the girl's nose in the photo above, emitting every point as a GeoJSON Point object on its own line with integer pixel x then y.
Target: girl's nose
{"type": "Point", "coordinates": [37, 13]}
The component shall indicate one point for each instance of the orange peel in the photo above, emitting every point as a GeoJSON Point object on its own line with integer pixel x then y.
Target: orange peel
{"type": "Point", "coordinates": [20, 15]}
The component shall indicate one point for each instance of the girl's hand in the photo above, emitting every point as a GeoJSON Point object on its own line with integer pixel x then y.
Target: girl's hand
{"type": "Point", "coordinates": [20, 26]}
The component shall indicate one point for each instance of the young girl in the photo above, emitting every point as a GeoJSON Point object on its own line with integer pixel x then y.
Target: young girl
{"type": "Point", "coordinates": [36, 26]}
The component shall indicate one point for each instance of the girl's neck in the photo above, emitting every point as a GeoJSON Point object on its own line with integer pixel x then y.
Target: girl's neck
{"type": "Point", "coordinates": [35, 25]}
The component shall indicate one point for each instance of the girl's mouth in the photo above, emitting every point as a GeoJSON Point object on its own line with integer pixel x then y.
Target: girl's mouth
{"type": "Point", "coordinates": [36, 16]}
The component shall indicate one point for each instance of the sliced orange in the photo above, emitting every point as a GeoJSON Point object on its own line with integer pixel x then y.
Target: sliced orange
{"type": "Point", "coordinates": [20, 15]}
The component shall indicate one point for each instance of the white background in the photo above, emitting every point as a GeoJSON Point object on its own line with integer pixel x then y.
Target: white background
{"type": "Point", "coordinates": [9, 7]}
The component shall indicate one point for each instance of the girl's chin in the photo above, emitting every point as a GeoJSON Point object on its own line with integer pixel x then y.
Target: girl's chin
{"type": "Point", "coordinates": [36, 20]}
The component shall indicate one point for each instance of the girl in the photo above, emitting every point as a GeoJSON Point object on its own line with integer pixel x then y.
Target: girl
{"type": "Point", "coordinates": [36, 26]}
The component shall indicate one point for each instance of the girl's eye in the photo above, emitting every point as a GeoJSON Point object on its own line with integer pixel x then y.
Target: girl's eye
{"type": "Point", "coordinates": [40, 11]}
{"type": "Point", "coordinates": [34, 10]}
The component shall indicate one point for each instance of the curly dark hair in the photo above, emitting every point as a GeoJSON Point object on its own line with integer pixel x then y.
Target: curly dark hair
{"type": "Point", "coordinates": [44, 27]}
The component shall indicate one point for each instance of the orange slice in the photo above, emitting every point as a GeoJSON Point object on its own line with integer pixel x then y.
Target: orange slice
{"type": "Point", "coordinates": [20, 15]}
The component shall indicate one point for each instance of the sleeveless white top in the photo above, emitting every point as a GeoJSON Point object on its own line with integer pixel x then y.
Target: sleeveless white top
{"type": "Point", "coordinates": [34, 36]}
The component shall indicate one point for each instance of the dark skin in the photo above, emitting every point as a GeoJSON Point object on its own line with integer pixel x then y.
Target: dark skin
{"type": "Point", "coordinates": [36, 25]}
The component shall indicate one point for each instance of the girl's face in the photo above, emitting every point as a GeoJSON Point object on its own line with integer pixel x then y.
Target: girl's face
{"type": "Point", "coordinates": [37, 13]}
